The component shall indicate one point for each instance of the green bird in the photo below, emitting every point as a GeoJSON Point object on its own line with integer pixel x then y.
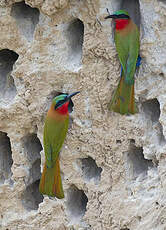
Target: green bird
{"type": "Point", "coordinates": [55, 130]}
{"type": "Point", "coordinates": [127, 45]}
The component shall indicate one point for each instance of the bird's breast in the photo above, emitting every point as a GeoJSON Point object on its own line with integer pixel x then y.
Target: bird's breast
{"type": "Point", "coordinates": [58, 114]}
{"type": "Point", "coordinates": [121, 23]}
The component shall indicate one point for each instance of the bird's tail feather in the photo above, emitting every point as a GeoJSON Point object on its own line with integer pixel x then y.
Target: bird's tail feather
{"type": "Point", "coordinates": [50, 182]}
{"type": "Point", "coordinates": [123, 100]}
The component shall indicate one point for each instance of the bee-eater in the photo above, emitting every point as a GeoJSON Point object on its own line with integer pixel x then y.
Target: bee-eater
{"type": "Point", "coordinates": [55, 130]}
{"type": "Point", "coordinates": [127, 45]}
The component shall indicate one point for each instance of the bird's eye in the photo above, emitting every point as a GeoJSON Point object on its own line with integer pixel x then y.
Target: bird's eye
{"type": "Point", "coordinates": [59, 103]}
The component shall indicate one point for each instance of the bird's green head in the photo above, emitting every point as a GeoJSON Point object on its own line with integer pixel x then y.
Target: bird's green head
{"type": "Point", "coordinates": [120, 14]}
{"type": "Point", "coordinates": [63, 100]}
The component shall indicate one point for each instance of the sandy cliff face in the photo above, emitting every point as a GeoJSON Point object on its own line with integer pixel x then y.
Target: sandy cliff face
{"type": "Point", "coordinates": [113, 167]}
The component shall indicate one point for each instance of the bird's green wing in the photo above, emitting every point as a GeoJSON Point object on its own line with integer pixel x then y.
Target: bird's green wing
{"type": "Point", "coordinates": [132, 57]}
{"type": "Point", "coordinates": [122, 48]}
{"type": "Point", "coordinates": [127, 46]}
{"type": "Point", "coordinates": [54, 136]}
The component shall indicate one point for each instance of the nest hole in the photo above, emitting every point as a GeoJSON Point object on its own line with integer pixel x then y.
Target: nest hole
{"type": "Point", "coordinates": [76, 204]}
{"type": "Point", "coordinates": [90, 170]}
{"type": "Point", "coordinates": [75, 36]}
{"type": "Point", "coordinates": [26, 18]}
{"type": "Point", "coordinates": [135, 163]}
{"type": "Point", "coordinates": [151, 108]}
{"type": "Point", "coordinates": [32, 147]}
{"type": "Point", "coordinates": [31, 197]}
{"type": "Point", "coordinates": [5, 157]}
{"type": "Point", "coordinates": [34, 172]}
{"type": "Point", "coordinates": [7, 87]}
{"type": "Point", "coordinates": [133, 8]}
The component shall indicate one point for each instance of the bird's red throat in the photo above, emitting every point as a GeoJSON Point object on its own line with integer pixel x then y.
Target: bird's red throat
{"type": "Point", "coordinates": [121, 23]}
{"type": "Point", "coordinates": [63, 110]}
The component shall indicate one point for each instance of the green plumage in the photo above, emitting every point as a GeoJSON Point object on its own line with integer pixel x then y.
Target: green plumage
{"type": "Point", "coordinates": [127, 46]}
{"type": "Point", "coordinates": [54, 135]}
{"type": "Point", "coordinates": [55, 130]}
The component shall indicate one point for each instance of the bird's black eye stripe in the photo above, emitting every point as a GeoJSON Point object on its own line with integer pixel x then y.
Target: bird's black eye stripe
{"type": "Point", "coordinates": [123, 16]}
{"type": "Point", "coordinates": [59, 103]}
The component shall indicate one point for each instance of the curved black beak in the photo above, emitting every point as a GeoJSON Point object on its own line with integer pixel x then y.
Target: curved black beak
{"type": "Point", "coordinates": [72, 94]}
{"type": "Point", "coordinates": [114, 16]}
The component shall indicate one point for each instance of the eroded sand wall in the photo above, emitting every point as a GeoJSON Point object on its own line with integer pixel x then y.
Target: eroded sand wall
{"type": "Point", "coordinates": [113, 167]}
